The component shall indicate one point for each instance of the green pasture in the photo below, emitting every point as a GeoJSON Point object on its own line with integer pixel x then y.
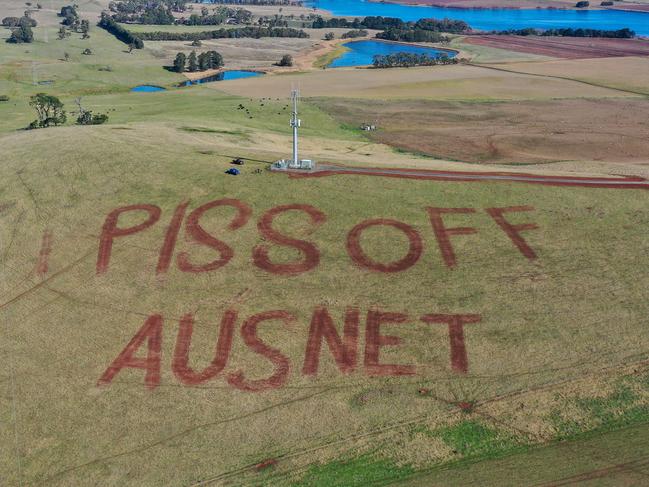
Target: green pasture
{"type": "Point", "coordinates": [559, 356]}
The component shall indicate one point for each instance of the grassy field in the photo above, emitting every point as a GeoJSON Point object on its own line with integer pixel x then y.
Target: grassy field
{"type": "Point", "coordinates": [631, 74]}
{"type": "Point", "coordinates": [538, 371]}
{"type": "Point", "coordinates": [454, 82]}
{"type": "Point", "coordinates": [30, 68]}
{"type": "Point", "coordinates": [557, 365]}
{"type": "Point", "coordinates": [583, 460]}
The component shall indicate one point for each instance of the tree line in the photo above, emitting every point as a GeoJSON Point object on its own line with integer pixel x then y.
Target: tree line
{"type": "Point", "coordinates": [134, 6]}
{"type": "Point", "coordinates": [386, 23]}
{"type": "Point", "coordinates": [409, 59]}
{"type": "Point", "coordinates": [202, 62]}
{"type": "Point", "coordinates": [152, 10]}
{"type": "Point", "coordinates": [353, 34]}
{"type": "Point", "coordinates": [120, 32]}
{"type": "Point", "coordinates": [241, 32]}
{"type": "Point", "coordinates": [147, 11]}
{"type": "Point", "coordinates": [625, 33]}
{"type": "Point", "coordinates": [160, 12]}
{"type": "Point", "coordinates": [222, 14]}
{"type": "Point", "coordinates": [415, 35]}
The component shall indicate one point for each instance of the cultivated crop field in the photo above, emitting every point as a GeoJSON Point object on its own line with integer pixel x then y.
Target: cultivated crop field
{"type": "Point", "coordinates": [164, 323]}
{"type": "Point", "coordinates": [567, 48]}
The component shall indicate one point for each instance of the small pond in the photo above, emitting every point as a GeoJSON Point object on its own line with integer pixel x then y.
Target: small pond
{"type": "Point", "coordinates": [224, 76]}
{"type": "Point", "coordinates": [361, 53]}
{"type": "Point", "coordinates": [147, 89]}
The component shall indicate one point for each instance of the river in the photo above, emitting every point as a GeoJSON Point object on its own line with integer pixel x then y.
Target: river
{"type": "Point", "coordinates": [494, 19]}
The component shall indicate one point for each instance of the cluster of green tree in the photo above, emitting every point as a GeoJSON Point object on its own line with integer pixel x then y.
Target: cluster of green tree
{"type": "Point", "coordinates": [137, 7]}
{"type": "Point", "coordinates": [120, 32]}
{"type": "Point", "coordinates": [382, 23]}
{"type": "Point", "coordinates": [386, 23]}
{"type": "Point", "coordinates": [17, 21]}
{"type": "Point", "coordinates": [157, 16]}
{"type": "Point", "coordinates": [275, 21]}
{"type": "Point", "coordinates": [408, 60]}
{"type": "Point", "coordinates": [449, 26]}
{"type": "Point", "coordinates": [88, 118]}
{"type": "Point", "coordinates": [82, 27]}
{"type": "Point", "coordinates": [146, 11]}
{"type": "Point", "coordinates": [414, 35]}
{"type": "Point", "coordinates": [22, 33]}
{"type": "Point", "coordinates": [240, 16]}
{"type": "Point", "coordinates": [70, 15]}
{"type": "Point", "coordinates": [352, 34]}
{"type": "Point", "coordinates": [286, 61]}
{"type": "Point", "coordinates": [336, 23]}
{"type": "Point", "coordinates": [50, 112]}
{"type": "Point", "coordinates": [614, 34]}
{"type": "Point", "coordinates": [202, 62]}
{"type": "Point", "coordinates": [254, 32]}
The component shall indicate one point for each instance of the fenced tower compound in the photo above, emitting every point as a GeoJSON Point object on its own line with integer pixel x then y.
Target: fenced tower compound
{"type": "Point", "coordinates": [295, 123]}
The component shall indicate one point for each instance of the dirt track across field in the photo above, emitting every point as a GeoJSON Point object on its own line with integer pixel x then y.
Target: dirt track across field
{"type": "Point", "coordinates": [614, 183]}
{"type": "Point", "coordinates": [565, 47]}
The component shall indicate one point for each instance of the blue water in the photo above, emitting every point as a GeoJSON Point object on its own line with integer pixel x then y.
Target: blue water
{"type": "Point", "coordinates": [147, 89]}
{"type": "Point", "coordinates": [362, 52]}
{"type": "Point", "coordinates": [225, 76]}
{"type": "Point", "coordinates": [495, 19]}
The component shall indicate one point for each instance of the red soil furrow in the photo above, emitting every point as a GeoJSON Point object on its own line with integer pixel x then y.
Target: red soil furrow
{"type": "Point", "coordinates": [565, 47]}
{"type": "Point", "coordinates": [604, 49]}
{"type": "Point", "coordinates": [42, 266]}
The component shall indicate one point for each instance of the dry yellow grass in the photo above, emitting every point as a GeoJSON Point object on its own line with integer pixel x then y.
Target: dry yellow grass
{"type": "Point", "coordinates": [577, 309]}
{"type": "Point", "coordinates": [571, 323]}
{"type": "Point", "coordinates": [626, 73]}
{"type": "Point", "coordinates": [439, 83]}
